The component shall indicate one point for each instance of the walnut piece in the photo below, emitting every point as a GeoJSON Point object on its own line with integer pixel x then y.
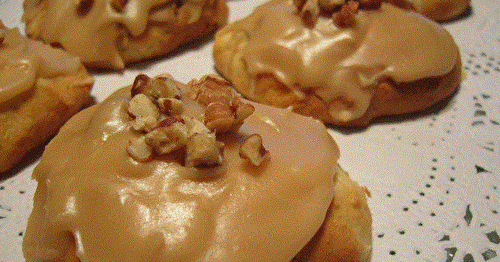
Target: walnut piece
{"type": "Point", "coordinates": [253, 150]}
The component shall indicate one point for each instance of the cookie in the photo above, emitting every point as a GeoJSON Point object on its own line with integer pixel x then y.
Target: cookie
{"type": "Point", "coordinates": [113, 33]}
{"type": "Point", "coordinates": [439, 10]}
{"type": "Point", "coordinates": [40, 88]}
{"type": "Point", "coordinates": [164, 171]}
{"type": "Point", "coordinates": [345, 65]}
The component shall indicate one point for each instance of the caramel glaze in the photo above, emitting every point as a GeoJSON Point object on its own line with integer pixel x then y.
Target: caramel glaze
{"type": "Point", "coordinates": [23, 61]}
{"type": "Point", "coordinates": [97, 30]}
{"type": "Point", "coordinates": [96, 202]}
{"type": "Point", "coordinates": [341, 65]}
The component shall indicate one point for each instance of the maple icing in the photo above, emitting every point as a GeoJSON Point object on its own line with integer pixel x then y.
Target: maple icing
{"type": "Point", "coordinates": [94, 31]}
{"type": "Point", "coordinates": [118, 209]}
{"type": "Point", "coordinates": [343, 65]}
{"type": "Point", "coordinates": [23, 61]}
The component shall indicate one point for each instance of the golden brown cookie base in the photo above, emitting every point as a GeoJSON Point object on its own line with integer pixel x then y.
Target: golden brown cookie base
{"type": "Point", "coordinates": [346, 234]}
{"type": "Point", "coordinates": [32, 118]}
{"type": "Point", "coordinates": [389, 98]}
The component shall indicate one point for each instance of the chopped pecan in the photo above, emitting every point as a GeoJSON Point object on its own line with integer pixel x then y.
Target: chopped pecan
{"type": "Point", "coordinates": [370, 4]}
{"type": "Point", "coordinates": [139, 150]}
{"type": "Point", "coordinates": [310, 12]}
{"type": "Point", "coordinates": [203, 150]}
{"type": "Point", "coordinates": [346, 17]}
{"type": "Point", "coordinates": [170, 135]}
{"type": "Point", "coordinates": [170, 106]}
{"type": "Point", "coordinates": [212, 88]}
{"type": "Point", "coordinates": [253, 150]}
{"type": "Point", "coordinates": [330, 5]}
{"type": "Point", "coordinates": [140, 83]}
{"type": "Point", "coordinates": [144, 112]}
{"type": "Point", "coordinates": [157, 87]}
{"type": "Point", "coordinates": [243, 111]}
{"type": "Point", "coordinates": [196, 127]}
{"type": "Point", "coordinates": [219, 116]}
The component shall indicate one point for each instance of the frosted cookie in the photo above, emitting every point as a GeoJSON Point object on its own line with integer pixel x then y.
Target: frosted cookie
{"type": "Point", "coordinates": [40, 88]}
{"type": "Point", "coordinates": [113, 33]}
{"type": "Point", "coordinates": [344, 64]}
{"type": "Point", "coordinates": [439, 10]}
{"type": "Point", "coordinates": [164, 171]}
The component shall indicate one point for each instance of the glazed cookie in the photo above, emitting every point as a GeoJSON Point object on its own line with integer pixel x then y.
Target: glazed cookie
{"type": "Point", "coordinates": [113, 33]}
{"type": "Point", "coordinates": [439, 10]}
{"type": "Point", "coordinates": [343, 64]}
{"type": "Point", "coordinates": [40, 88]}
{"type": "Point", "coordinates": [164, 171]}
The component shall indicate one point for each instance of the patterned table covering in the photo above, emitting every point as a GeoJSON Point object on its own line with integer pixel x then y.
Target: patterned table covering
{"type": "Point", "coordinates": [434, 178]}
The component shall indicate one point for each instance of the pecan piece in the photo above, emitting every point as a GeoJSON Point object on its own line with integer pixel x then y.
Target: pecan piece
{"type": "Point", "coordinates": [203, 150]}
{"type": "Point", "coordinates": [139, 150]}
{"type": "Point", "coordinates": [346, 17]}
{"type": "Point", "coordinates": [144, 112]}
{"type": "Point", "coordinates": [370, 4]}
{"type": "Point", "coordinates": [161, 86]}
{"type": "Point", "coordinates": [219, 116]}
{"type": "Point", "coordinates": [253, 150]}
{"type": "Point", "coordinates": [212, 88]}
{"type": "Point", "coordinates": [170, 135]}
{"type": "Point", "coordinates": [170, 106]}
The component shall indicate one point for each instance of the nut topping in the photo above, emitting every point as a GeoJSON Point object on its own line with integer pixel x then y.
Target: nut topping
{"type": "Point", "coordinates": [170, 106]}
{"type": "Point", "coordinates": [156, 87]}
{"type": "Point", "coordinates": [343, 12]}
{"type": "Point", "coordinates": [139, 150]}
{"type": "Point", "coordinates": [168, 138]}
{"type": "Point", "coordinates": [144, 112]}
{"type": "Point", "coordinates": [346, 16]}
{"type": "Point", "coordinates": [158, 113]}
{"type": "Point", "coordinates": [253, 150]}
{"type": "Point", "coordinates": [212, 88]}
{"type": "Point", "coordinates": [203, 150]}
{"type": "Point", "coordinates": [310, 12]}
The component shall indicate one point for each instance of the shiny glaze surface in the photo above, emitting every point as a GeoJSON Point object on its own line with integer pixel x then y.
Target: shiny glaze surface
{"type": "Point", "coordinates": [22, 61]}
{"type": "Point", "coordinates": [117, 209]}
{"type": "Point", "coordinates": [98, 31]}
{"type": "Point", "coordinates": [343, 65]}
